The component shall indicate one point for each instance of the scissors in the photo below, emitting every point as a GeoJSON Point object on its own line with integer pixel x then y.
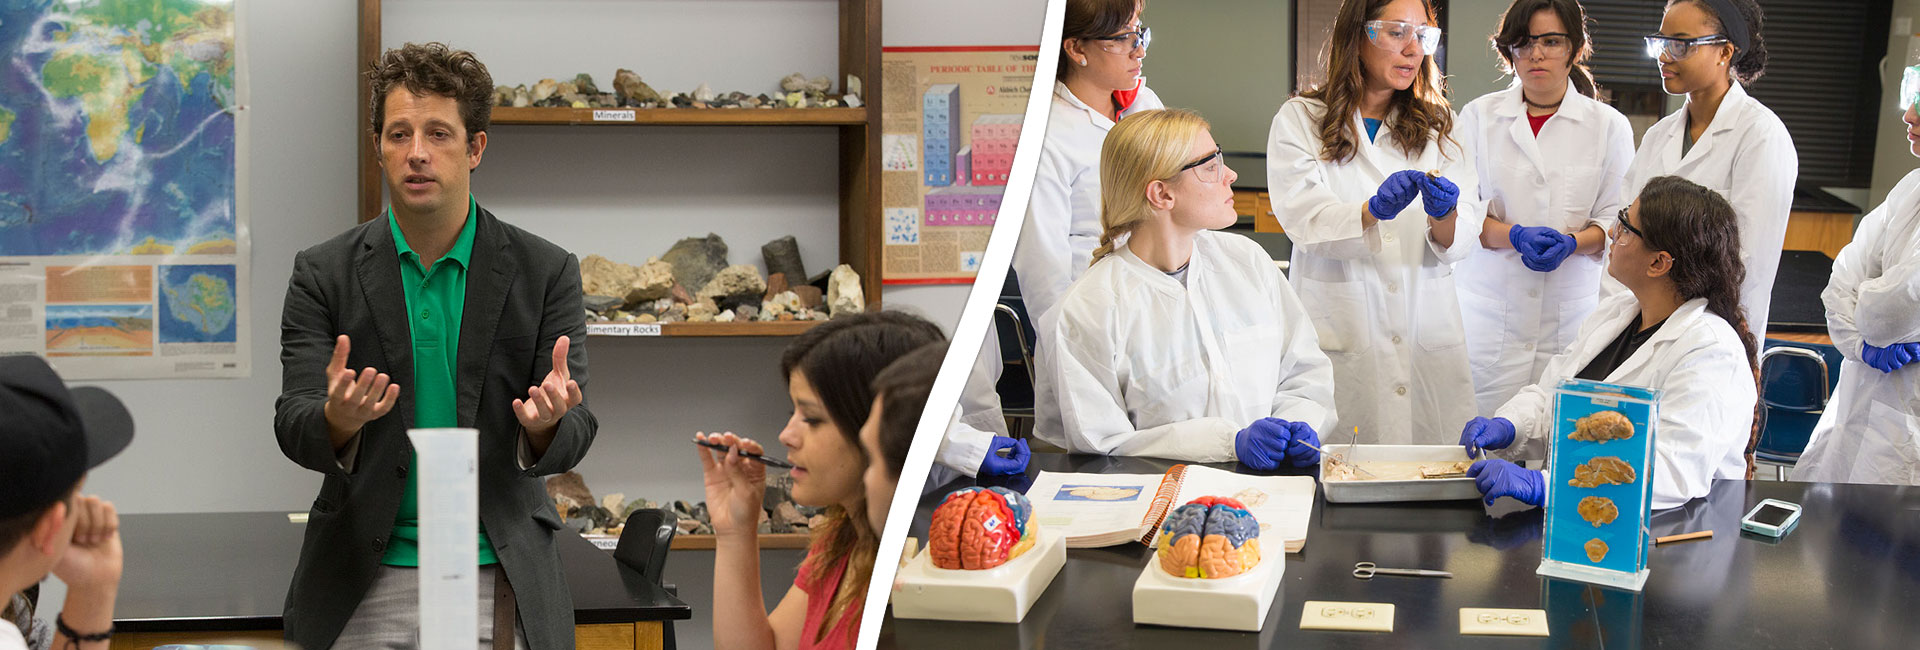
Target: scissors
{"type": "Point", "coordinates": [1367, 570]}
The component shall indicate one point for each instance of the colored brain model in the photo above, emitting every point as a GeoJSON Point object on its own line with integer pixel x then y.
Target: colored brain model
{"type": "Point", "coordinates": [980, 528]}
{"type": "Point", "coordinates": [1210, 537]}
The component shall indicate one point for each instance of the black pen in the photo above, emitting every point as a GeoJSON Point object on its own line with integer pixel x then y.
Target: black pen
{"type": "Point", "coordinates": [770, 462]}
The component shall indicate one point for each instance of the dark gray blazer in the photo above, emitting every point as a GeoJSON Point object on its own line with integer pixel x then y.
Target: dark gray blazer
{"type": "Point", "coordinates": [523, 293]}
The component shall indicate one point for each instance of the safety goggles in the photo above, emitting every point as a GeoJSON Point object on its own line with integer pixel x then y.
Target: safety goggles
{"type": "Point", "coordinates": [1209, 169]}
{"type": "Point", "coordinates": [1552, 45]}
{"type": "Point", "coordinates": [1620, 225]}
{"type": "Point", "coordinates": [1134, 41]}
{"type": "Point", "coordinates": [1393, 36]}
{"type": "Point", "coordinates": [1673, 48]}
{"type": "Point", "coordinates": [1909, 87]}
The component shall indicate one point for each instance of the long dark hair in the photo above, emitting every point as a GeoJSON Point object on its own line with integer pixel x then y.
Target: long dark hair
{"type": "Point", "coordinates": [1420, 112]}
{"type": "Point", "coordinates": [840, 358]}
{"type": "Point", "coordinates": [1698, 228]}
{"type": "Point", "coordinates": [1748, 62]}
{"type": "Point", "coordinates": [1093, 19]}
{"type": "Point", "coordinates": [1514, 28]}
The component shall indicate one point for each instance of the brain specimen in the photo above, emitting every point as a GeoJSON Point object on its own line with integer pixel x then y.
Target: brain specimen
{"type": "Point", "coordinates": [1601, 427]}
{"type": "Point", "coordinates": [1605, 470]}
{"type": "Point", "coordinates": [980, 528]}
{"type": "Point", "coordinates": [1596, 549]}
{"type": "Point", "coordinates": [1598, 511]}
{"type": "Point", "coordinates": [1209, 537]}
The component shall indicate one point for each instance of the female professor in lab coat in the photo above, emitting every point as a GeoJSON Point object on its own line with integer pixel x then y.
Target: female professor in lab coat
{"type": "Point", "coordinates": [1098, 82]}
{"type": "Point", "coordinates": [1677, 329]}
{"type": "Point", "coordinates": [1724, 139]}
{"type": "Point", "coordinates": [1870, 432]}
{"type": "Point", "coordinates": [1181, 342]}
{"type": "Point", "coordinates": [1550, 160]}
{"type": "Point", "coordinates": [1374, 235]}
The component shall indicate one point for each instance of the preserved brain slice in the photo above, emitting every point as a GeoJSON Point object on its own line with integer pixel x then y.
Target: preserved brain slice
{"type": "Point", "coordinates": [980, 528]}
{"type": "Point", "coordinates": [1601, 427]}
{"type": "Point", "coordinates": [1598, 511]}
{"type": "Point", "coordinates": [1596, 549]}
{"type": "Point", "coordinates": [1605, 470]}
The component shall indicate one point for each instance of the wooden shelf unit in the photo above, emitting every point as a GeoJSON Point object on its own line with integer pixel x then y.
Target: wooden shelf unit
{"type": "Point", "coordinates": [859, 149]}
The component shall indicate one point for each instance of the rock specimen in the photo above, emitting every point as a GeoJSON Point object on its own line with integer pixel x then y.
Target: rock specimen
{"type": "Point", "coordinates": [1209, 537]}
{"type": "Point", "coordinates": [654, 281]}
{"type": "Point", "coordinates": [1601, 427]}
{"type": "Point", "coordinates": [544, 89]}
{"type": "Point", "coordinates": [631, 90]}
{"type": "Point", "coordinates": [601, 304]}
{"type": "Point", "coordinates": [810, 296]}
{"type": "Point", "coordinates": [702, 312]}
{"type": "Point", "coordinates": [777, 284]}
{"type": "Point", "coordinates": [1596, 550]}
{"type": "Point", "coordinates": [783, 256]}
{"type": "Point", "coordinates": [1598, 511]}
{"type": "Point", "coordinates": [522, 98]}
{"type": "Point", "coordinates": [703, 93]}
{"type": "Point", "coordinates": [583, 83]}
{"type": "Point", "coordinates": [795, 82]}
{"type": "Point", "coordinates": [1605, 470]}
{"type": "Point", "coordinates": [600, 276]}
{"type": "Point", "coordinates": [980, 528]}
{"type": "Point", "coordinates": [844, 295]}
{"type": "Point", "coordinates": [568, 491]}
{"type": "Point", "coordinates": [735, 285]}
{"type": "Point", "coordinates": [695, 260]}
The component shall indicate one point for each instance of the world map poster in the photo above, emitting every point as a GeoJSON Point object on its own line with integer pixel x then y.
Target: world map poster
{"type": "Point", "coordinates": [122, 253]}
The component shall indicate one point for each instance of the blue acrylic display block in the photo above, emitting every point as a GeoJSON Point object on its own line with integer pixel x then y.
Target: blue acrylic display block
{"type": "Point", "coordinates": [1569, 534]}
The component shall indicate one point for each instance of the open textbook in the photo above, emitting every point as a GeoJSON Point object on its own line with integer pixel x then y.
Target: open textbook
{"type": "Point", "coordinates": [1094, 510]}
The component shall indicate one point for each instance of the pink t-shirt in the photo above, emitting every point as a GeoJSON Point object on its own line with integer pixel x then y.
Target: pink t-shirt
{"type": "Point", "coordinates": [820, 595]}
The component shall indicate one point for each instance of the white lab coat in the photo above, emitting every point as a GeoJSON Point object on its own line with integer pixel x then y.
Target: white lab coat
{"type": "Point", "coordinates": [1383, 298]}
{"type": "Point", "coordinates": [1870, 432]}
{"type": "Point", "coordinates": [1706, 400]}
{"type": "Point", "coordinates": [977, 418]}
{"type": "Point", "coordinates": [1747, 156]}
{"type": "Point", "coordinates": [1567, 179]}
{"type": "Point", "coordinates": [1146, 367]}
{"type": "Point", "coordinates": [1063, 214]}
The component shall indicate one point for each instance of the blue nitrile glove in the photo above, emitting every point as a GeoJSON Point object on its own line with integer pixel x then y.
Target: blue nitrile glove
{"type": "Point", "coordinates": [1890, 358]}
{"type": "Point", "coordinates": [994, 465]}
{"type": "Point", "coordinates": [1301, 444]}
{"type": "Point", "coordinates": [1395, 194]}
{"type": "Point", "coordinates": [1541, 249]}
{"type": "Point", "coordinates": [1439, 195]}
{"type": "Point", "coordinates": [1486, 433]}
{"type": "Point", "coordinates": [1497, 478]}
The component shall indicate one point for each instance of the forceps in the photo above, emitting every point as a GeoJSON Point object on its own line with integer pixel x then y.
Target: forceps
{"type": "Point", "coordinates": [1367, 570]}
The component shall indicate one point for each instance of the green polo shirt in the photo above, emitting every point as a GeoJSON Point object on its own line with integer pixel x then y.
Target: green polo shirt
{"type": "Point", "coordinates": [435, 298]}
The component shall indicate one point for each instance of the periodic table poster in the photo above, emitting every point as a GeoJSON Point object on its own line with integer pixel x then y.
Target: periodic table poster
{"type": "Point", "coordinates": [951, 117]}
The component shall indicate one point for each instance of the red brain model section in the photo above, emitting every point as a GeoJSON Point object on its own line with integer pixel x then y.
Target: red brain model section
{"type": "Point", "coordinates": [974, 529]}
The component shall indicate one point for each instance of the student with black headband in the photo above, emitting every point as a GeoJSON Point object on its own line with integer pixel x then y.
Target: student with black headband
{"type": "Point", "coordinates": [1724, 139]}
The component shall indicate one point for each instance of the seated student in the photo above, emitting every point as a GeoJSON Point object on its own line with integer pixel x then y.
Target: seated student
{"type": "Point", "coordinates": [1181, 342]}
{"type": "Point", "coordinates": [49, 438]}
{"type": "Point", "coordinates": [829, 372]}
{"type": "Point", "coordinates": [1679, 328]}
{"type": "Point", "coordinates": [899, 395]}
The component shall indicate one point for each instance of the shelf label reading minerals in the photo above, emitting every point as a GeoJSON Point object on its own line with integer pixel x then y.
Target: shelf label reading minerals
{"type": "Point", "coordinates": [122, 255]}
{"type": "Point", "coordinates": [604, 115]}
{"type": "Point", "coordinates": [951, 117]}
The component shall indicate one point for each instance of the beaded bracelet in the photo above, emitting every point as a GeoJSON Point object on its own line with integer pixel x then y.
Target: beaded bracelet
{"type": "Point", "coordinates": [60, 623]}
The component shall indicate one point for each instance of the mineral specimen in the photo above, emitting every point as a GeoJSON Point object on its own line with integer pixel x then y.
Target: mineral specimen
{"type": "Point", "coordinates": [695, 260]}
{"type": "Point", "coordinates": [734, 285]}
{"type": "Point", "coordinates": [544, 89]}
{"type": "Point", "coordinates": [631, 90]}
{"type": "Point", "coordinates": [980, 528]}
{"type": "Point", "coordinates": [1209, 537]}
{"type": "Point", "coordinates": [794, 82]}
{"type": "Point", "coordinates": [844, 295]}
{"type": "Point", "coordinates": [1598, 511]}
{"type": "Point", "coordinates": [1605, 470]}
{"type": "Point", "coordinates": [1601, 427]}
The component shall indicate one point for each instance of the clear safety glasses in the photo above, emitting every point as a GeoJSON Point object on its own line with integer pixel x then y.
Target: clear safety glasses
{"type": "Point", "coordinates": [1134, 41]}
{"type": "Point", "coordinates": [1909, 88]}
{"type": "Point", "coordinates": [1673, 48]}
{"type": "Point", "coordinates": [1209, 169]}
{"type": "Point", "coordinates": [1551, 45]}
{"type": "Point", "coordinates": [1393, 36]}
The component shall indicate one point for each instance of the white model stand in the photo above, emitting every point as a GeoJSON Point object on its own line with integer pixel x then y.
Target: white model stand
{"type": "Point", "coordinates": [1237, 603]}
{"type": "Point", "coordinates": [1002, 594]}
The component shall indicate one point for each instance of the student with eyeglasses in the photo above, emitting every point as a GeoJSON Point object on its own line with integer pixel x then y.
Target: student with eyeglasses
{"type": "Point", "coordinates": [1551, 161]}
{"type": "Point", "coordinates": [1380, 198]}
{"type": "Point", "coordinates": [1181, 342]}
{"type": "Point", "coordinates": [1677, 328]}
{"type": "Point", "coordinates": [1870, 431]}
{"type": "Point", "coordinates": [1098, 82]}
{"type": "Point", "coordinates": [1709, 50]}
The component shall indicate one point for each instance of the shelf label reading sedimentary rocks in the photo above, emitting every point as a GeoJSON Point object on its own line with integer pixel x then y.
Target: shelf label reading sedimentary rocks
{"type": "Point", "coordinates": [613, 116]}
{"type": "Point", "coordinates": [623, 329]}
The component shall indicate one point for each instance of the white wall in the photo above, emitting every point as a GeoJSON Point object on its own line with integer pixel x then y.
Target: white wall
{"type": "Point", "coordinates": [1473, 69]}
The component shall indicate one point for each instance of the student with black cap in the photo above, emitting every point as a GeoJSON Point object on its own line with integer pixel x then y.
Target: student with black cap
{"type": "Point", "coordinates": [50, 438]}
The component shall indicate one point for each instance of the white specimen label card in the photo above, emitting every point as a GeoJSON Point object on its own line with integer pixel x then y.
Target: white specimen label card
{"type": "Point", "coordinates": [1359, 617]}
{"type": "Point", "coordinates": [623, 329]}
{"type": "Point", "coordinates": [1503, 622]}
